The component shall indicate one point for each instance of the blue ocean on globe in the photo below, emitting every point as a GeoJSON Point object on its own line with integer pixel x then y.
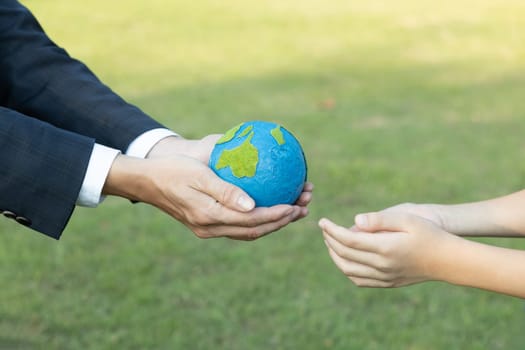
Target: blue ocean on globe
{"type": "Point", "coordinates": [262, 158]}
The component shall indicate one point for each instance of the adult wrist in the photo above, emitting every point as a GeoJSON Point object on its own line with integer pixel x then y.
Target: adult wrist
{"type": "Point", "coordinates": [126, 178]}
{"type": "Point", "coordinates": [166, 145]}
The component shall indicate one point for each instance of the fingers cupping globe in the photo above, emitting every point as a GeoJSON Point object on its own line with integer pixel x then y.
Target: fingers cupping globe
{"type": "Point", "coordinates": [262, 158]}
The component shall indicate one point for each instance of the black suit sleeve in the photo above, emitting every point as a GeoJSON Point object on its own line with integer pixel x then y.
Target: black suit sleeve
{"type": "Point", "coordinates": [41, 172]}
{"type": "Point", "coordinates": [41, 80]}
{"type": "Point", "coordinates": [52, 110]}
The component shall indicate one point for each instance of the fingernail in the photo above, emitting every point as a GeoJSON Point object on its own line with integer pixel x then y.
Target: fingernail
{"type": "Point", "coordinates": [361, 220]}
{"type": "Point", "coordinates": [245, 203]}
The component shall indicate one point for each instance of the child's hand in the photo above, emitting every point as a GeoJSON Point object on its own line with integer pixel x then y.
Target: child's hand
{"type": "Point", "coordinates": [431, 212]}
{"type": "Point", "coordinates": [387, 249]}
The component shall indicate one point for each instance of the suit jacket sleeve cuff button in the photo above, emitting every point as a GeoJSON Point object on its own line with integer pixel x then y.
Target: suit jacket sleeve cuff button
{"type": "Point", "coordinates": [9, 214]}
{"type": "Point", "coordinates": [23, 220]}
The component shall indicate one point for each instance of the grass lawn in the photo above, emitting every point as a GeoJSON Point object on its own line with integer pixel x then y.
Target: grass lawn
{"type": "Point", "coordinates": [393, 101]}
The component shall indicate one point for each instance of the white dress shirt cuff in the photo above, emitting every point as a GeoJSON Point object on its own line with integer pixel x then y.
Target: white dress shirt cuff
{"type": "Point", "coordinates": [102, 158]}
{"type": "Point", "coordinates": [141, 146]}
{"type": "Point", "coordinates": [100, 162]}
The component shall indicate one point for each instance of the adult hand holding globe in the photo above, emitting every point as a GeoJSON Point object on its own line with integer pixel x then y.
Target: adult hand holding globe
{"type": "Point", "coordinates": [192, 193]}
{"type": "Point", "coordinates": [264, 159]}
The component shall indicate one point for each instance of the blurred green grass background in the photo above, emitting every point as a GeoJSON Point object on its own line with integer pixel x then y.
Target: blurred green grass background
{"type": "Point", "coordinates": [393, 101]}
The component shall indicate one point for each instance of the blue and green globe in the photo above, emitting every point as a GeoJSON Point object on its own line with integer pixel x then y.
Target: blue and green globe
{"type": "Point", "coordinates": [262, 158]}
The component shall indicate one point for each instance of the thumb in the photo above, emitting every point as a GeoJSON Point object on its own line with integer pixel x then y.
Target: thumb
{"type": "Point", "coordinates": [225, 193]}
{"type": "Point", "coordinates": [205, 147]}
{"type": "Point", "coordinates": [385, 221]}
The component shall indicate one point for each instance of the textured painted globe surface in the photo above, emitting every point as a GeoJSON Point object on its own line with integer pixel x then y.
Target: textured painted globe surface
{"type": "Point", "coordinates": [262, 158]}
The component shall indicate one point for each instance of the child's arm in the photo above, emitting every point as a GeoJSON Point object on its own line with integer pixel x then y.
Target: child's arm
{"type": "Point", "coordinates": [503, 216]}
{"type": "Point", "coordinates": [406, 249]}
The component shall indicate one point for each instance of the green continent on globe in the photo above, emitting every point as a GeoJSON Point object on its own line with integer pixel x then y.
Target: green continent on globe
{"type": "Point", "coordinates": [242, 160]}
{"type": "Point", "coordinates": [278, 135]}
{"type": "Point", "coordinates": [228, 135]}
{"type": "Point", "coordinates": [245, 131]}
